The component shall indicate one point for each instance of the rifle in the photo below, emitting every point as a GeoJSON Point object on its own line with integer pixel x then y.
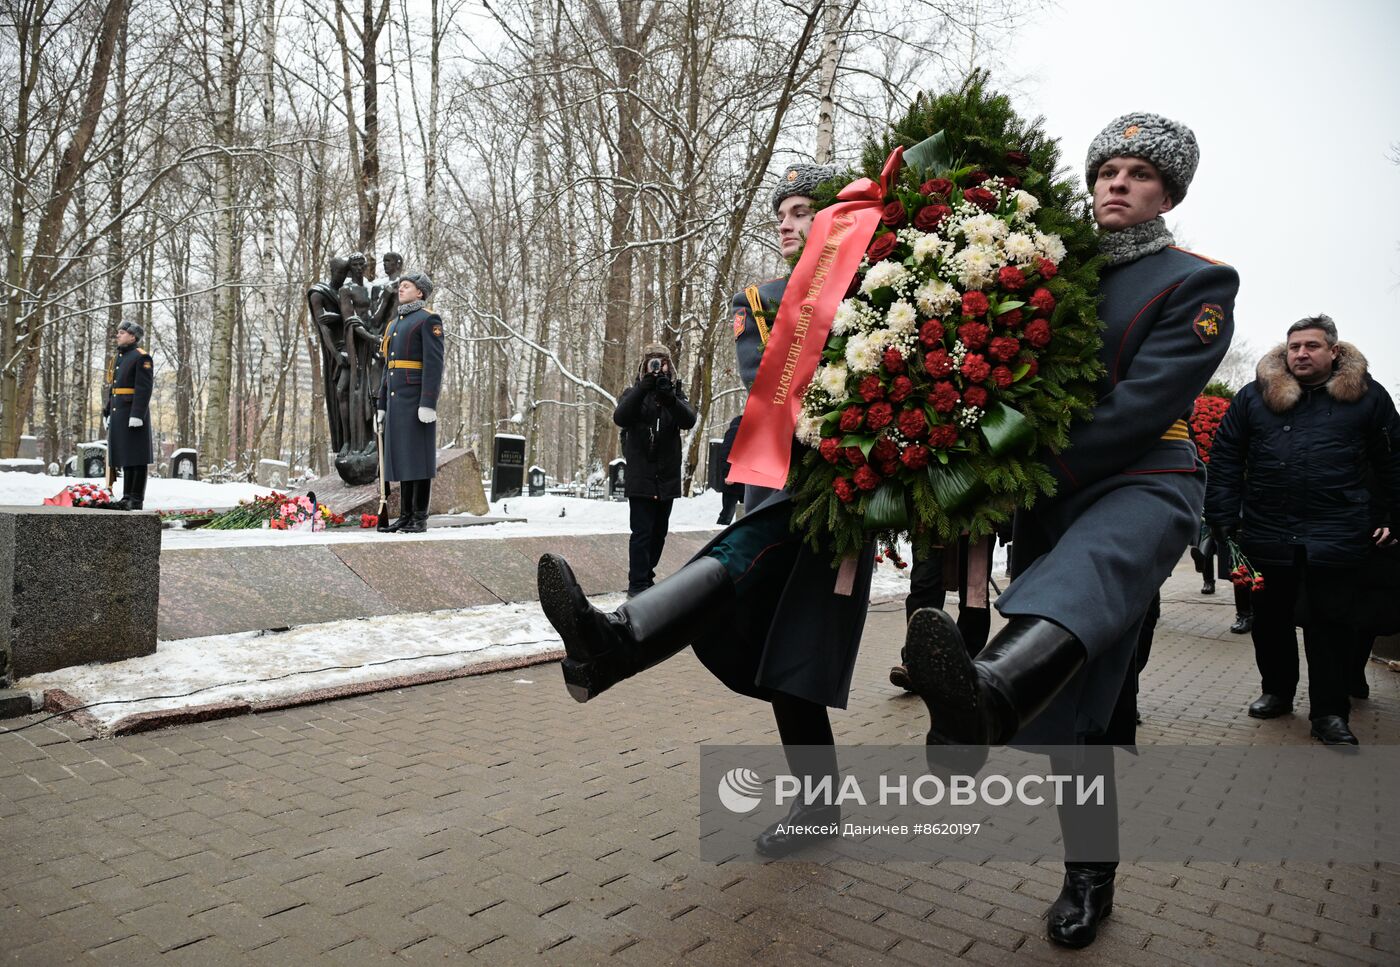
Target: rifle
{"type": "Point", "coordinates": [383, 515]}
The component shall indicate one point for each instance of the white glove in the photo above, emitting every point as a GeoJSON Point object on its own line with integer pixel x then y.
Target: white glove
{"type": "Point", "coordinates": [426, 415]}
{"type": "Point", "coordinates": [134, 422]}
{"type": "Point", "coordinates": [379, 418]}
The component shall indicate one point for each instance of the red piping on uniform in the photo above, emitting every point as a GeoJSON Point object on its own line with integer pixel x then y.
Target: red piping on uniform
{"type": "Point", "coordinates": [1136, 473]}
{"type": "Point", "coordinates": [756, 558]}
{"type": "Point", "coordinates": [1124, 342]}
{"type": "Point", "coordinates": [1065, 468]}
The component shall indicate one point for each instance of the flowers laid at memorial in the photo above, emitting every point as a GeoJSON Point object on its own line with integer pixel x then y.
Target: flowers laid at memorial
{"type": "Point", "coordinates": [80, 495]}
{"type": "Point", "coordinates": [278, 511]}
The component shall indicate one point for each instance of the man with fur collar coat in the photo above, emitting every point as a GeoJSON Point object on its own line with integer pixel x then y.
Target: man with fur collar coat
{"type": "Point", "coordinates": [1288, 474]}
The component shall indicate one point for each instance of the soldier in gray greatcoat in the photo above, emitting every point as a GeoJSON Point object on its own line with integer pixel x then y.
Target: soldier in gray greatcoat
{"type": "Point", "coordinates": [1130, 485]}
{"type": "Point", "coordinates": [127, 410]}
{"type": "Point", "coordinates": [412, 348]}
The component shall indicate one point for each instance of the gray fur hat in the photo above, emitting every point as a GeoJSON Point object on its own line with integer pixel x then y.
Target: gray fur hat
{"type": "Point", "coordinates": [420, 279]}
{"type": "Point", "coordinates": [1168, 144]}
{"type": "Point", "coordinates": [800, 179]}
{"type": "Point", "coordinates": [134, 328]}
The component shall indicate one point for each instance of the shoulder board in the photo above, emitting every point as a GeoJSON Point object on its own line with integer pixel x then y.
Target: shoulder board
{"type": "Point", "coordinates": [1203, 258]}
{"type": "Point", "coordinates": [142, 351]}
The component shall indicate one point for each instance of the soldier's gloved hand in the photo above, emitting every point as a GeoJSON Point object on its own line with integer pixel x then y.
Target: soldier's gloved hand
{"type": "Point", "coordinates": [379, 419]}
{"type": "Point", "coordinates": [427, 414]}
{"type": "Point", "coordinates": [134, 422]}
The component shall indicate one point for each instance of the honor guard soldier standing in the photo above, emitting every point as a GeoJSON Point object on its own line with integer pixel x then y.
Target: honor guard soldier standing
{"type": "Point", "coordinates": [413, 353]}
{"type": "Point", "coordinates": [127, 410]}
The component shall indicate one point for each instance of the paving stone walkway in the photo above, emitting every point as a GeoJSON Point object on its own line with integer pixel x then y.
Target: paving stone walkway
{"type": "Point", "coordinates": [493, 820]}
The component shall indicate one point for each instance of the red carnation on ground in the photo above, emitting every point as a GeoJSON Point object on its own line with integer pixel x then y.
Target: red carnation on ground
{"type": "Point", "coordinates": [976, 395]}
{"type": "Point", "coordinates": [944, 397]}
{"type": "Point", "coordinates": [974, 335]}
{"type": "Point", "coordinates": [928, 218]}
{"type": "Point", "coordinates": [1042, 301]}
{"type": "Point", "coordinates": [866, 478]}
{"type": "Point", "coordinates": [1004, 348]}
{"type": "Point", "coordinates": [912, 423]}
{"type": "Point", "coordinates": [982, 198]}
{"type": "Point", "coordinates": [1012, 319]}
{"type": "Point", "coordinates": [1010, 277]}
{"type": "Point", "coordinates": [975, 367]}
{"type": "Point", "coordinates": [831, 449]}
{"type": "Point", "coordinates": [881, 246]}
{"type": "Point", "coordinates": [851, 418]}
{"type": "Point", "coordinates": [936, 187]}
{"type": "Point", "coordinates": [844, 489]}
{"type": "Point", "coordinates": [893, 214]}
{"type": "Point", "coordinates": [871, 389]}
{"type": "Point", "coordinates": [879, 416]}
{"type": "Point", "coordinates": [1003, 377]}
{"type": "Point", "coordinates": [974, 304]}
{"type": "Point", "coordinates": [893, 360]}
{"type": "Point", "coordinates": [1046, 268]}
{"type": "Point", "coordinates": [938, 363]}
{"type": "Point", "coordinates": [1038, 333]}
{"type": "Point", "coordinates": [854, 457]}
{"type": "Point", "coordinates": [915, 456]}
{"type": "Point", "coordinates": [943, 436]}
{"type": "Point", "coordinates": [931, 333]}
{"type": "Point", "coordinates": [900, 389]}
{"type": "Point", "coordinates": [884, 450]}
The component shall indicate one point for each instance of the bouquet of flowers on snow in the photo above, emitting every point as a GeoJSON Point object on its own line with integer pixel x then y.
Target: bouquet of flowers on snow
{"type": "Point", "coordinates": [1206, 415]}
{"type": "Point", "coordinates": [80, 495]}
{"type": "Point", "coordinates": [278, 511]}
{"type": "Point", "coordinates": [966, 343]}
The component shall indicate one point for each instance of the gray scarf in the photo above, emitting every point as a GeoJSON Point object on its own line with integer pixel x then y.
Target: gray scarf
{"type": "Point", "coordinates": [1135, 241]}
{"type": "Point", "coordinates": [406, 307]}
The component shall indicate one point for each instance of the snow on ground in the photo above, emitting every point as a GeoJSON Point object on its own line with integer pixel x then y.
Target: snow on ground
{"type": "Point", "coordinates": [27, 489]}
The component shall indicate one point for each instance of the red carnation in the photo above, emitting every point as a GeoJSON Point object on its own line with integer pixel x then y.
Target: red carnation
{"type": "Point", "coordinates": [977, 177]}
{"type": "Point", "coordinates": [1019, 158]}
{"type": "Point", "coordinates": [881, 246]}
{"type": "Point", "coordinates": [912, 423]}
{"type": "Point", "coordinates": [871, 389]}
{"type": "Point", "coordinates": [915, 456]}
{"type": "Point", "coordinates": [844, 490]}
{"type": "Point", "coordinates": [1046, 268]}
{"type": "Point", "coordinates": [1042, 300]}
{"type": "Point", "coordinates": [867, 479]}
{"type": "Point", "coordinates": [1004, 348]}
{"type": "Point", "coordinates": [974, 304]}
{"type": "Point", "coordinates": [1012, 319]}
{"type": "Point", "coordinates": [975, 368]}
{"type": "Point", "coordinates": [976, 395]}
{"type": "Point", "coordinates": [928, 218]}
{"type": "Point", "coordinates": [879, 415]}
{"type": "Point", "coordinates": [936, 188]}
{"type": "Point", "coordinates": [854, 457]}
{"type": "Point", "coordinates": [851, 418]}
{"type": "Point", "coordinates": [1011, 277]}
{"type": "Point", "coordinates": [888, 468]}
{"type": "Point", "coordinates": [942, 436]}
{"type": "Point", "coordinates": [931, 333]}
{"type": "Point", "coordinates": [1033, 364]}
{"type": "Point", "coordinates": [885, 449]}
{"type": "Point", "coordinates": [893, 214]}
{"type": "Point", "coordinates": [944, 397]}
{"type": "Point", "coordinates": [1038, 333]}
{"type": "Point", "coordinates": [938, 363]}
{"type": "Point", "coordinates": [974, 334]}
{"type": "Point", "coordinates": [893, 360]}
{"type": "Point", "coordinates": [981, 197]}
{"type": "Point", "coordinates": [900, 389]}
{"type": "Point", "coordinates": [831, 449]}
{"type": "Point", "coordinates": [1003, 377]}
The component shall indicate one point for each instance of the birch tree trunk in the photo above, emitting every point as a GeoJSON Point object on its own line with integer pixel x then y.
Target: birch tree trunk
{"type": "Point", "coordinates": [216, 403]}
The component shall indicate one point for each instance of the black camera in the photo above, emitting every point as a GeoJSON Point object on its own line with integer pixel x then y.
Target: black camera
{"type": "Point", "coordinates": [653, 365]}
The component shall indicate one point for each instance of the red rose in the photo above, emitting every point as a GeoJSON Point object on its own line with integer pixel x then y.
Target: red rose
{"type": "Point", "coordinates": [938, 363]}
{"type": "Point", "coordinates": [976, 395]}
{"type": "Point", "coordinates": [884, 450]}
{"type": "Point", "coordinates": [851, 418]}
{"type": "Point", "coordinates": [881, 246]}
{"type": "Point", "coordinates": [1002, 377]}
{"type": "Point", "coordinates": [1004, 348]}
{"type": "Point", "coordinates": [982, 198]}
{"type": "Point", "coordinates": [1038, 333]}
{"type": "Point", "coordinates": [912, 423]}
{"type": "Point", "coordinates": [893, 360]}
{"type": "Point", "coordinates": [1042, 301]}
{"type": "Point", "coordinates": [893, 214]}
{"type": "Point", "coordinates": [1018, 158]}
{"type": "Point", "coordinates": [974, 335]}
{"type": "Point", "coordinates": [844, 490]}
{"type": "Point", "coordinates": [931, 333]}
{"type": "Point", "coordinates": [1011, 277]}
{"type": "Point", "coordinates": [975, 368]}
{"type": "Point", "coordinates": [1012, 319]}
{"type": "Point", "coordinates": [942, 436]}
{"type": "Point", "coordinates": [974, 304]}
{"type": "Point", "coordinates": [831, 449]}
{"type": "Point", "coordinates": [871, 389]}
{"type": "Point", "coordinates": [915, 456]}
{"type": "Point", "coordinates": [900, 389]}
{"type": "Point", "coordinates": [879, 415]}
{"type": "Point", "coordinates": [854, 457]}
{"type": "Point", "coordinates": [1011, 181]}
{"type": "Point", "coordinates": [928, 218]}
{"type": "Point", "coordinates": [867, 479]}
{"type": "Point", "coordinates": [936, 188]}
{"type": "Point", "coordinates": [977, 177]}
{"type": "Point", "coordinates": [1046, 268]}
{"type": "Point", "coordinates": [944, 397]}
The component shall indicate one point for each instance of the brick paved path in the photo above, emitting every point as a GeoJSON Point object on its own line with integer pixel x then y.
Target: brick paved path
{"type": "Point", "coordinates": [492, 820]}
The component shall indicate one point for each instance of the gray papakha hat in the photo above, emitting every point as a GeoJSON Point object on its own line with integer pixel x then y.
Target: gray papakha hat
{"type": "Point", "coordinates": [1168, 144]}
{"type": "Point", "coordinates": [420, 279]}
{"type": "Point", "coordinates": [800, 179]}
{"type": "Point", "coordinates": [134, 328]}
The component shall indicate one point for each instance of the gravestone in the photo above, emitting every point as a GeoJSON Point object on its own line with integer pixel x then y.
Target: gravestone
{"type": "Point", "coordinates": [507, 466]}
{"type": "Point", "coordinates": [70, 466]}
{"type": "Point", "coordinates": [29, 446]}
{"type": "Point", "coordinates": [617, 478]}
{"type": "Point", "coordinates": [184, 465]}
{"type": "Point", "coordinates": [92, 459]}
{"type": "Point", "coordinates": [22, 465]}
{"type": "Point", "coordinates": [76, 586]}
{"type": "Point", "coordinates": [537, 481]}
{"type": "Point", "coordinates": [274, 474]}
{"type": "Point", "coordinates": [716, 475]}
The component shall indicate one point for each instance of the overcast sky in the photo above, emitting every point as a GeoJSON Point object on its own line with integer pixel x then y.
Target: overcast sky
{"type": "Point", "coordinates": [1296, 106]}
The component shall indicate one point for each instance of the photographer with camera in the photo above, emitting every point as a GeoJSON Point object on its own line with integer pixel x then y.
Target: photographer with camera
{"type": "Point", "coordinates": [652, 413]}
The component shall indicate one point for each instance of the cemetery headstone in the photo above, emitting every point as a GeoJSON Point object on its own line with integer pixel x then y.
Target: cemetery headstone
{"type": "Point", "coordinates": [273, 473]}
{"type": "Point", "coordinates": [184, 465]}
{"type": "Point", "coordinates": [537, 481]}
{"type": "Point", "coordinates": [617, 478]}
{"type": "Point", "coordinates": [507, 466]}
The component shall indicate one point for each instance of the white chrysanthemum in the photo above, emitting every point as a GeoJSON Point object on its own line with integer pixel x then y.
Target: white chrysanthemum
{"type": "Point", "coordinates": [976, 265]}
{"type": "Point", "coordinates": [936, 297]}
{"type": "Point", "coordinates": [983, 229]}
{"type": "Point", "coordinates": [901, 317]}
{"type": "Point", "coordinates": [883, 274]}
{"type": "Point", "coordinates": [847, 317]}
{"type": "Point", "coordinates": [927, 247]}
{"type": "Point", "coordinates": [809, 431]}
{"type": "Point", "coordinates": [863, 353]}
{"type": "Point", "coordinates": [1026, 203]}
{"type": "Point", "coordinates": [831, 378]}
{"type": "Point", "coordinates": [1019, 247]}
{"type": "Point", "coordinates": [1050, 247]}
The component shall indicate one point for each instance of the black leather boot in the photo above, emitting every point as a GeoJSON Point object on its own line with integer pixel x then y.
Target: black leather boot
{"type": "Point", "coordinates": [407, 492]}
{"type": "Point", "coordinates": [988, 700]}
{"type": "Point", "coordinates": [603, 647]}
{"type": "Point", "coordinates": [418, 521]}
{"type": "Point", "coordinates": [802, 827]}
{"type": "Point", "coordinates": [1085, 898]}
{"type": "Point", "coordinates": [134, 486]}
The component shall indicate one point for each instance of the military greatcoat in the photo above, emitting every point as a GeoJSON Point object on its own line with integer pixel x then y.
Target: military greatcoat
{"type": "Point", "coordinates": [413, 354]}
{"type": "Point", "coordinates": [129, 384]}
{"type": "Point", "coordinates": [1130, 483]}
{"type": "Point", "coordinates": [751, 332]}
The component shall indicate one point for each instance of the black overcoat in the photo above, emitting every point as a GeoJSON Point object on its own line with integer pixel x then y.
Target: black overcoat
{"type": "Point", "coordinates": [413, 360]}
{"type": "Point", "coordinates": [129, 387]}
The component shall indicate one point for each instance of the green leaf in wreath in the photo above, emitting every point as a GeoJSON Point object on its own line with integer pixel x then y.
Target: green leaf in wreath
{"type": "Point", "coordinates": [955, 486]}
{"type": "Point", "coordinates": [886, 510]}
{"type": "Point", "coordinates": [1004, 307]}
{"type": "Point", "coordinates": [1020, 371]}
{"type": "Point", "coordinates": [863, 440]}
{"type": "Point", "coordinates": [930, 155]}
{"type": "Point", "coordinates": [1005, 429]}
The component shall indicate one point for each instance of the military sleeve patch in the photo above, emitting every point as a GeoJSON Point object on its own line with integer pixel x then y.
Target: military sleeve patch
{"type": "Point", "coordinates": [437, 330]}
{"type": "Point", "coordinates": [738, 323]}
{"type": "Point", "coordinates": [1208, 320]}
{"type": "Point", "coordinates": [146, 364]}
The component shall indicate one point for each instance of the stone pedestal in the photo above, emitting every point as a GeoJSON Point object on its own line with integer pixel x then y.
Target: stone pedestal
{"type": "Point", "coordinates": [456, 489]}
{"type": "Point", "coordinates": [76, 586]}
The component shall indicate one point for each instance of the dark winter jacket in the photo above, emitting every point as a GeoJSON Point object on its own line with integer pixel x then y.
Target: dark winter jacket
{"type": "Point", "coordinates": [1290, 463]}
{"type": "Point", "coordinates": [652, 420]}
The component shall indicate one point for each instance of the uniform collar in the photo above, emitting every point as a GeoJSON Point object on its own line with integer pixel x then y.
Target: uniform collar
{"type": "Point", "coordinates": [1135, 241]}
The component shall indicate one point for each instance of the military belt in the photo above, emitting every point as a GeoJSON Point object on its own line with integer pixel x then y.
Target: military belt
{"type": "Point", "coordinates": [405, 364]}
{"type": "Point", "coordinates": [1177, 431]}
{"type": "Point", "coordinates": [123, 391]}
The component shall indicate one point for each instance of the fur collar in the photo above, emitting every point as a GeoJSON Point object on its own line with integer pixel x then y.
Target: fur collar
{"type": "Point", "coordinates": [1282, 391]}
